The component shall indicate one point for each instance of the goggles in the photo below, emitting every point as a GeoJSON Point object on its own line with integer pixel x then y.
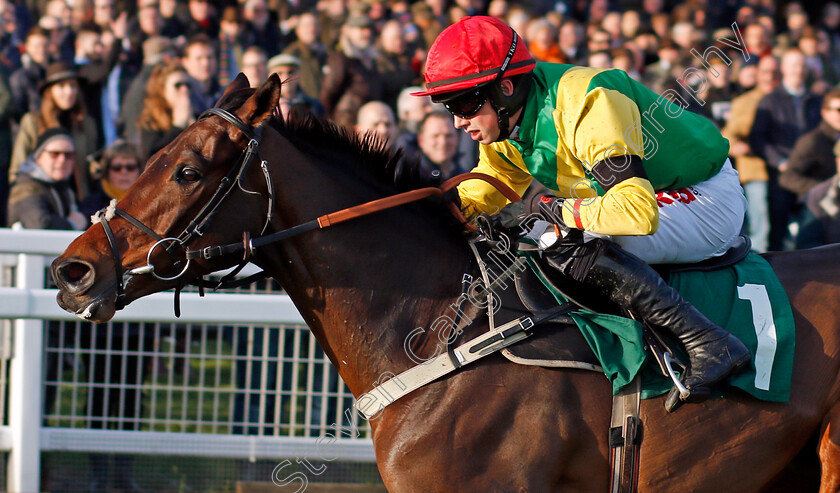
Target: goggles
{"type": "Point", "coordinates": [465, 105]}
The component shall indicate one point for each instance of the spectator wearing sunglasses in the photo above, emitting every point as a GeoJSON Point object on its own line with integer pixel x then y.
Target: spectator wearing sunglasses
{"type": "Point", "coordinates": [42, 195]}
{"type": "Point", "coordinates": [579, 132]}
{"type": "Point", "coordinates": [167, 107]}
{"type": "Point", "coordinates": [121, 166]}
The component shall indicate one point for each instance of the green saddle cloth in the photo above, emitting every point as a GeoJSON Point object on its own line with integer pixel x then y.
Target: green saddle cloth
{"type": "Point", "coordinates": [747, 299]}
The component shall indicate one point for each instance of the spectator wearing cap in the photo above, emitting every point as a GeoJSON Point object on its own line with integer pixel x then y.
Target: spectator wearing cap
{"type": "Point", "coordinates": [156, 50]}
{"type": "Point", "coordinates": [292, 98]}
{"type": "Point", "coordinates": [61, 106]}
{"type": "Point", "coordinates": [352, 78]}
{"type": "Point", "coordinates": [312, 54]}
{"type": "Point", "coordinates": [24, 81]}
{"type": "Point", "coordinates": [819, 220]}
{"type": "Point", "coordinates": [167, 107]}
{"type": "Point", "coordinates": [42, 195]}
{"type": "Point", "coordinates": [394, 63]}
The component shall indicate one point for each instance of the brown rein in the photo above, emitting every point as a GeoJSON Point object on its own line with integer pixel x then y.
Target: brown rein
{"type": "Point", "coordinates": [248, 244]}
{"type": "Point", "coordinates": [415, 195]}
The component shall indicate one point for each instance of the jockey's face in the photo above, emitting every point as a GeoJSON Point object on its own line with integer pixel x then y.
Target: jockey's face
{"type": "Point", "coordinates": [483, 127]}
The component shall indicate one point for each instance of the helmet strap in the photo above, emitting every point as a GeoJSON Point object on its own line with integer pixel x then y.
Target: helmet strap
{"type": "Point", "coordinates": [507, 106]}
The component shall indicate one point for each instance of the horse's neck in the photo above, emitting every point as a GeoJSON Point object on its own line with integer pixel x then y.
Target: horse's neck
{"type": "Point", "coordinates": [362, 304]}
{"type": "Point", "coordinates": [364, 285]}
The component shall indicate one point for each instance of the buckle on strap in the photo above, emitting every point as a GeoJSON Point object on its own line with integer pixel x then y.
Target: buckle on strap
{"type": "Point", "coordinates": [207, 253]}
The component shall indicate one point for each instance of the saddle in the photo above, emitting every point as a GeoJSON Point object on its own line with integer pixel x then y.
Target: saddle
{"type": "Point", "coordinates": [555, 346]}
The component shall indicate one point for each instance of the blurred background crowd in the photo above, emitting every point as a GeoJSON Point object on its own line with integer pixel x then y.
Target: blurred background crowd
{"type": "Point", "coordinates": [89, 89]}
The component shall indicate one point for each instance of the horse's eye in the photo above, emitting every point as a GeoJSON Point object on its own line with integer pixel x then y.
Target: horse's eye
{"type": "Point", "coordinates": [189, 175]}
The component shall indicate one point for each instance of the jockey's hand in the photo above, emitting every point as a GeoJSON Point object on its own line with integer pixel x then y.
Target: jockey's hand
{"type": "Point", "coordinates": [513, 216]}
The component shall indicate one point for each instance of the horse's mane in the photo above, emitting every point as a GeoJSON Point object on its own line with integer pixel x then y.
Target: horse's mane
{"type": "Point", "coordinates": [367, 156]}
{"type": "Point", "coordinates": [363, 156]}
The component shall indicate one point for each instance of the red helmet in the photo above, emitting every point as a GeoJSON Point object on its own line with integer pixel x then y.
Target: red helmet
{"type": "Point", "coordinates": [472, 51]}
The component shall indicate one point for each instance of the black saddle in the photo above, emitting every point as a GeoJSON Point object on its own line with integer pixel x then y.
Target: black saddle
{"type": "Point", "coordinates": [556, 345]}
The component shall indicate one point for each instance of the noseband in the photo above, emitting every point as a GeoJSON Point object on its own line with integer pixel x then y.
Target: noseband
{"type": "Point", "coordinates": [197, 226]}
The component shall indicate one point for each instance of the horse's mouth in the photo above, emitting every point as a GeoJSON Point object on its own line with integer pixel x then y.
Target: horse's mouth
{"type": "Point", "coordinates": [99, 309]}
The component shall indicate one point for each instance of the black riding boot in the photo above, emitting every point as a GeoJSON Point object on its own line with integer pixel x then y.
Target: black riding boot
{"type": "Point", "coordinates": [713, 353]}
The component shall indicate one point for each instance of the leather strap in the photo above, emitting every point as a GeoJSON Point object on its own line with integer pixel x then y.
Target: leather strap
{"type": "Point", "coordinates": [625, 438]}
{"type": "Point", "coordinates": [328, 220]}
{"type": "Point", "coordinates": [414, 378]}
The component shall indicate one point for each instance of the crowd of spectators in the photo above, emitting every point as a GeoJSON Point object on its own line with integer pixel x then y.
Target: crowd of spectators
{"type": "Point", "coordinates": [90, 89]}
{"type": "Point", "coordinates": [137, 72]}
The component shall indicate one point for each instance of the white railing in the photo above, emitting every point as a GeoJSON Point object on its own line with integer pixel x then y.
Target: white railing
{"type": "Point", "coordinates": [290, 417]}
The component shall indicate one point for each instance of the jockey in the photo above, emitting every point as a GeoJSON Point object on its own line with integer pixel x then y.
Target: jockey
{"type": "Point", "coordinates": [637, 179]}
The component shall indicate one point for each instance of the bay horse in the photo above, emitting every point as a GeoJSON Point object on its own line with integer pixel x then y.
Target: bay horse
{"type": "Point", "coordinates": [363, 285]}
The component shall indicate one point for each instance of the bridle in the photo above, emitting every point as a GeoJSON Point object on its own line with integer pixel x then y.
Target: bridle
{"type": "Point", "coordinates": [201, 221]}
{"type": "Point", "coordinates": [248, 245]}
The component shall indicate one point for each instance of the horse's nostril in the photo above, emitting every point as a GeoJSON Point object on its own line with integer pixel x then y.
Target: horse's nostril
{"type": "Point", "coordinates": [74, 272]}
{"type": "Point", "coordinates": [74, 276]}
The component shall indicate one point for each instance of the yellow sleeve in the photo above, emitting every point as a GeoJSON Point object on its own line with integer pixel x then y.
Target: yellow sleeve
{"type": "Point", "coordinates": [605, 128]}
{"type": "Point", "coordinates": [628, 208]}
{"type": "Point", "coordinates": [478, 196]}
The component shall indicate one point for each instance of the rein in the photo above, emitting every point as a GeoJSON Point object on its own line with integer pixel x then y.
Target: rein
{"type": "Point", "coordinates": [248, 245]}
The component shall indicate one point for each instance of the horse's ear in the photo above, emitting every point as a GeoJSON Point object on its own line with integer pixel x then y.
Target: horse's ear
{"type": "Point", "coordinates": [240, 82]}
{"type": "Point", "coordinates": [262, 103]}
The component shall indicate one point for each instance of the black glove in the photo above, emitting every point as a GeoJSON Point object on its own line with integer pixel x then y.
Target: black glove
{"type": "Point", "coordinates": [513, 215]}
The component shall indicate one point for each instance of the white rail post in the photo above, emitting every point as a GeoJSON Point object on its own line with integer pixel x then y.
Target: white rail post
{"type": "Point", "coordinates": [24, 467]}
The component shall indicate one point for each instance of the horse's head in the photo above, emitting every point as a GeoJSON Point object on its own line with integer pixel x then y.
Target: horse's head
{"type": "Point", "coordinates": [195, 192]}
